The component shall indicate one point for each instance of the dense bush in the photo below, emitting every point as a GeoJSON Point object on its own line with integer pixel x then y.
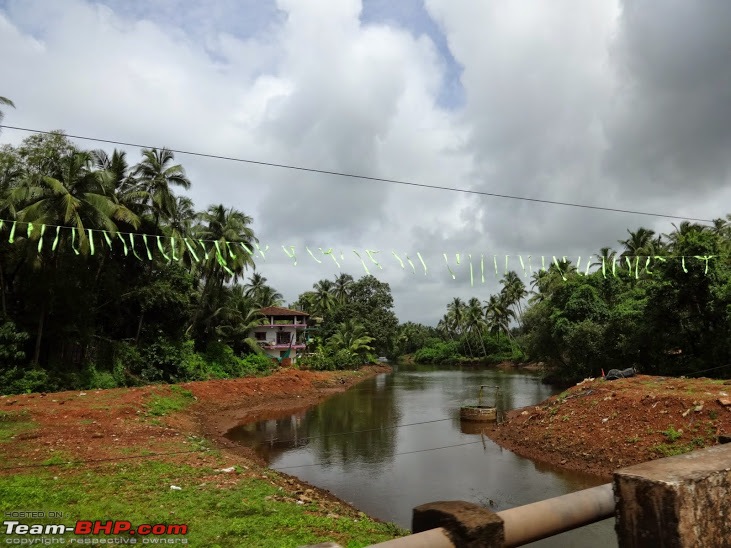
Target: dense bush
{"type": "Point", "coordinates": [438, 352]}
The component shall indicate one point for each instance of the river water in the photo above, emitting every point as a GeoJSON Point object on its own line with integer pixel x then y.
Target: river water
{"type": "Point", "coordinates": [366, 447]}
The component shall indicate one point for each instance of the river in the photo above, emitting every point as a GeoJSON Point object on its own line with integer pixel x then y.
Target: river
{"type": "Point", "coordinates": [395, 441]}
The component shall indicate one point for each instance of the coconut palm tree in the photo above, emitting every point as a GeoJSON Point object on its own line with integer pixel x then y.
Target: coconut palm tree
{"type": "Point", "coordinates": [353, 337]}
{"type": "Point", "coordinates": [514, 292]}
{"type": "Point", "coordinates": [640, 243]}
{"type": "Point", "coordinates": [268, 296]}
{"type": "Point", "coordinates": [257, 282]}
{"type": "Point", "coordinates": [342, 286]}
{"type": "Point", "coordinates": [323, 298]}
{"type": "Point", "coordinates": [498, 315]}
{"type": "Point", "coordinates": [475, 321]}
{"type": "Point", "coordinates": [157, 175]}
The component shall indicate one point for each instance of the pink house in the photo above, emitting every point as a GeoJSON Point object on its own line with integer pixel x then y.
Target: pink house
{"type": "Point", "coordinates": [282, 333]}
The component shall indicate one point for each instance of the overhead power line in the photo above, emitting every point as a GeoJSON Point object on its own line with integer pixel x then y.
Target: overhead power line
{"type": "Point", "coordinates": [368, 177]}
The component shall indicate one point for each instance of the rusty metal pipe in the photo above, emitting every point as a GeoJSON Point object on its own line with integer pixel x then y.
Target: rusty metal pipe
{"type": "Point", "coordinates": [550, 517]}
{"type": "Point", "coordinates": [433, 538]}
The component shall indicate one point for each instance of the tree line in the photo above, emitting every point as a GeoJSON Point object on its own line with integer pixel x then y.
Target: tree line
{"type": "Point", "coordinates": [103, 303]}
{"type": "Point", "coordinates": [658, 302]}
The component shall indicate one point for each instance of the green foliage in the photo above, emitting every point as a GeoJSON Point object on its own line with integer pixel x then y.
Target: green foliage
{"type": "Point", "coordinates": [332, 359]}
{"type": "Point", "coordinates": [178, 400]}
{"type": "Point", "coordinates": [438, 351]}
{"type": "Point", "coordinates": [672, 434]}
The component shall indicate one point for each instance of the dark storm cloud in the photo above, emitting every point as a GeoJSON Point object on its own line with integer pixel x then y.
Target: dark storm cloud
{"type": "Point", "coordinates": [671, 128]}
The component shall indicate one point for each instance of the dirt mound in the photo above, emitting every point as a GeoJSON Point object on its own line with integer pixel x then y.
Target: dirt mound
{"type": "Point", "coordinates": [132, 422]}
{"type": "Point", "coordinates": [599, 426]}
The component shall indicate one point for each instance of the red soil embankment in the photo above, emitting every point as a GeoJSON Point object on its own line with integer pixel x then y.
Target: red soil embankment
{"type": "Point", "coordinates": [599, 426]}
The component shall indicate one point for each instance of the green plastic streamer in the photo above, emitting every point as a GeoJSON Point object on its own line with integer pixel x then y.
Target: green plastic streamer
{"type": "Point", "coordinates": [291, 256]}
{"type": "Point", "coordinates": [2, 222]}
{"type": "Point", "coordinates": [450, 270]}
{"type": "Point", "coordinates": [506, 264]}
{"type": "Point", "coordinates": [91, 242]}
{"type": "Point", "coordinates": [30, 229]}
{"type": "Point", "coordinates": [555, 261]}
{"type": "Point", "coordinates": [614, 266]}
{"type": "Point", "coordinates": [522, 265]}
{"type": "Point", "coordinates": [73, 240]}
{"type": "Point", "coordinates": [313, 255]}
{"type": "Point", "coordinates": [40, 238]}
{"type": "Point", "coordinates": [705, 258]}
{"type": "Point", "coordinates": [11, 239]}
{"type": "Point", "coordinates": [369, 252]}
{"type": "Point", "coordinates": [604, 267]}
{"type": "Point", "coordinates": [578, 265]}
{"type": "Point", "coordinates": [472, 279]}
{"type": "Point", "coordinates": [172, 249]}
{"type": "Point", "coordinates": [683, 263]}
{"type": "Point", "coordinates": [530, 265]}
{"type": "Point", "coordinates": [494, 262]}
{"type": "Point", "coordinates": [247, 248]}
{"type": "Point", "coordinates": [147, 247]}
{"type": "Point", "coordinates": [259, 249]}
{"type": "Point", "coordinates": [107, 238]}
{"type": "Point", "coordinates": [204, 250]}
{"type": "Point", "coordinates": [362, 262]}
{"type": "Point", "coordinates": [398, 259]}
{"type": "Point", "coordinates": [332, 255]}
{"type": "Point", "coordinates": [422, 261]}
{"type": "Point", "coordinates": [124, 244]}
{"type": "Point", "coordinates": [221, 260]}
{"type": "Point", "coordinates": [132, 246]}
{"type": "Point", "coordinates": [543, 263]}
{"type": "Point", "coordinates": [637, 268]}
{"type": "Point", "coordinates": [457, 259]}
{"type": "Point", "coordinates": [647, 266]}
{"type": "Point", "coordinates": [482, 268]}
{"type": "Point", "coordinates": [629, 265]}
{"type": "Point", "coordinates": [161, 249]}
{"type": "Point", "coordinates": [55, 241]}
{"type": "Point", "coordinates": [233, 255]}
{"type": "Point", "coordinates": [191, 250]}
{"type": "Point", "coordinates": [588, 264]}
{"type": "Point", "coordinates": [411, 263]}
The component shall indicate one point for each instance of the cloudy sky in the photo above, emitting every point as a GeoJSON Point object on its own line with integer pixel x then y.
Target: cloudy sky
{"type": "Point", "coordinates": [595, 102]}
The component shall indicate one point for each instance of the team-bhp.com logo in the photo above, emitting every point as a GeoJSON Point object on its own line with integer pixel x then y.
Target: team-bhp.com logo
{"type": "Point", "coordinates": [89, 532]}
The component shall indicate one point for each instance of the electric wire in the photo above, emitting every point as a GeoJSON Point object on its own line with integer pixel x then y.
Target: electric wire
{"type": "Point", "coordinates": [367, 177]}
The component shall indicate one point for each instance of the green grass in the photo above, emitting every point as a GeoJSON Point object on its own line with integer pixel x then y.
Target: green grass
{"type": "Point", "coordinates": [671, 433]}
{"type": "Point", "coordinates": [12, 424]}
{"type": "Point", "coordinates": [243, 515]}
{"type": "Point", "coordinates": [178, 400]}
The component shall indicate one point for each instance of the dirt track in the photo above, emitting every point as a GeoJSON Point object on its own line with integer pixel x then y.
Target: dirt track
{"type": "Point", "coordinates": [600, 426]}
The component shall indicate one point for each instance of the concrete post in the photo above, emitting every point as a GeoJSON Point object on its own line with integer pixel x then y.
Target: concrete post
{"type": "Point", "coordinates": [468, 525]}
{"type": "Point", "coordinates": [680, 501]}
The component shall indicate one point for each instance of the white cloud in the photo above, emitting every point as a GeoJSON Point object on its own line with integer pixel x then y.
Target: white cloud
{"type": "Point", "coordinates": [308, 83]}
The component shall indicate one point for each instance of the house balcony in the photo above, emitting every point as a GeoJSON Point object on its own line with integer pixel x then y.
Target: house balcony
{"type": "Point", "coordinates": [296, 325]}
{"type": "Point", "coordinates": [271, 346]}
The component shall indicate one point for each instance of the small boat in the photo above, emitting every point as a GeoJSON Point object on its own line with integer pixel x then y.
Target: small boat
{"type": "Point", "coordinates": [479, 412]}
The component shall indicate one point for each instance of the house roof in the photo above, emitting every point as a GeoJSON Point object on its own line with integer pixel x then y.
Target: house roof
{"type": "Point", "coordinates": [279, 311]}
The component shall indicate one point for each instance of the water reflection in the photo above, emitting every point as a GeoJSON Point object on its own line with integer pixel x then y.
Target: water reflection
{"type": "Point", "coordinates": [374, 446]}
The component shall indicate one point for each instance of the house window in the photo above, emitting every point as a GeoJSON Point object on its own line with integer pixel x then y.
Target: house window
{"type": "Point", "coordinates": [260, 335]}
{"type": "Point", "coordinates": [283, 338]}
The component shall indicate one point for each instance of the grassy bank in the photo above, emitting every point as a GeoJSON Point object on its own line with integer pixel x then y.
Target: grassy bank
{"type": "Point", "coordinates": [139, 455]}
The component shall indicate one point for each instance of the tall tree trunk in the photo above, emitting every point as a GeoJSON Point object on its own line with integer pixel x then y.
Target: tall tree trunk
{"type": "Point", "coordinates": [39, 334]}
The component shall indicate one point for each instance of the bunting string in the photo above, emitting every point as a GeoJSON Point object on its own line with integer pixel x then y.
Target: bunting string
{"type": "Point", "coordinates": [83, 241]}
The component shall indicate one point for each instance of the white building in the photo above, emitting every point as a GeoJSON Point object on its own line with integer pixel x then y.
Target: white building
{"type": "Point", "coordinates": [283, 333]}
